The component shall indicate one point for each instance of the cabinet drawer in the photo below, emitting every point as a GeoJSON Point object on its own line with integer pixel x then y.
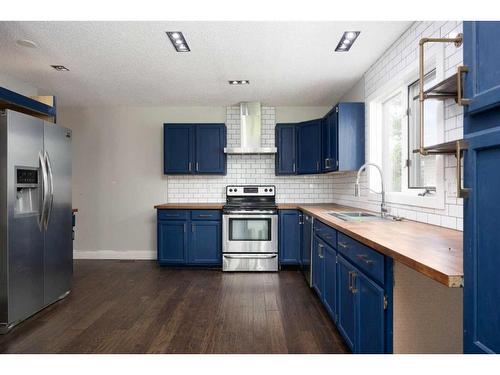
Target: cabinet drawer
{"type": "Point", "coordinates": [205, 215]}
{"type": "Point", "coordinates": [366, 259]}
{"type": "Point", "coordinates": [326, 233]}
{"type": "Point", "coordinates": [173, 214]}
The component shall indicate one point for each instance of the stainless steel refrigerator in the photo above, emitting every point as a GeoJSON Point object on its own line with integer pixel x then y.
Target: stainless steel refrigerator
{"type": "Point", "coordinates": [36, 249]}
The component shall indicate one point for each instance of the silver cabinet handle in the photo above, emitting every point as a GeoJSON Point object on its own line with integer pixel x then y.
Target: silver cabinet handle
{"type": "Point", "coordinates": [317, 165]}
{"type": "Point", "coordinates": [51, 189]}
{"type": "Point", "coordinates": [343, 245]}
{"type": "Point", "coordinates": [189, 166]}
{"type": "Point", "coordinates": [197, 166]}
{"type": "Point", "coordinates": [294, 166]}
{"type": "Point", "coordinates": [250, 256]}
{"type": "Point", "coordinates": [364, 258]}
{"type": "Point", "coordinates": [321, 253]}
{"type": "Point", "coordinates": [353, 287]}
{"type": "Point", "coordinates": [204, 215]}
{"type": "Point", "coordinates": [45, 190]}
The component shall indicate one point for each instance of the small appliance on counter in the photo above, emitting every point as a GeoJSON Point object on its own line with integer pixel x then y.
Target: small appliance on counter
{"type": "Point", "coordinates": [250, 229]}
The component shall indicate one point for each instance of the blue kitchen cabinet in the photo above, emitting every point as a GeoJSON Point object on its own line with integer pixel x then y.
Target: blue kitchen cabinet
{"type": "Point", "coordinates": [346, 315]}
{"type": "Point", "coordinates": [350, 124]}
{"type": "Point", "coordinates": [481, 56]}
{"type": "Point", "coordinates": [172, 242]}
{"type": "Point", "coordinates": [178, 148]}
{"type": "Point", "coordinates": [309, 147]}
{"type": "Point", "coordinates": [289, 236]}
{"type": "Point", "coordinates": [306, 240]}
{"type": "Point", "coordinates": [481, 166]}
{"type": "Point", "coordinates": [205, 243]}
{"type": "Point", "coordinates": [330, 281]}
{"type": "Point", "coordinates": [370, 319]}
{"type": "Point", "coordinates": [194, 148]}
{"type": "Point", "coordinates": [286, 139]}
{"type": "Point", "coordinates": [329, 161]}
{"type": "Point", "coordinates": [210, 142]}
{"type": "Point", "coordinates": [189, 237]}
{"type": "Point", "coordinates": [317, 267]}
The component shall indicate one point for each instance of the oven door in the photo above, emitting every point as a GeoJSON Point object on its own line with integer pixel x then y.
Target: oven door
{"type": "Point", "coordinates": [247, 233]}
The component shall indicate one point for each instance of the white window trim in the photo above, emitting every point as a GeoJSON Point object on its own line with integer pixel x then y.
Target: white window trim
{"type": "Point", "coordinates": [434, 59]}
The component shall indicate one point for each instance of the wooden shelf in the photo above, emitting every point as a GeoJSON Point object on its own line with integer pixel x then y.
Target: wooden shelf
{"type": "Point", "coordinates": [446, 89]}
{"type": "Point", "coordinates": [39, 107]}
{"type": "Point", "coordinates": [447, 148]}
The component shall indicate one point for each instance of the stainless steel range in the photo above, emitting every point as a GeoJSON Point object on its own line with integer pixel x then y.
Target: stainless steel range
{"type": "Point", "coordinates": [250, 229]}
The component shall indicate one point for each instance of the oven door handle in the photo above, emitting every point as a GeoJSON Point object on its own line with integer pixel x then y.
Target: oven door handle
{"type": "Point", "coordinates": [245, 256]}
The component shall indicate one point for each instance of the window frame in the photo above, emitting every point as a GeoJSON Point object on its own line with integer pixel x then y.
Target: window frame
{"type": "Point", "coordinates": [401, 82]}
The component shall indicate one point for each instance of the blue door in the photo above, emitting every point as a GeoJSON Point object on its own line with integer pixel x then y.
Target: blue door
{"type": "Point", "coordinates": [330, 283]}
{"type": "Point", "coordinates": [205, 243]}
{"type": "Point", "coordinates": [172, 242]}
{"type": "Point", "coordinates": [370, 320]}
{"type": "Point", "coordinates": [210, 143]}
{"type": "Point", "coordinates": [481, 56]}
{"type": "Point", "coordinates": [330, 141]}
{"type": "Point", "coordinates": [345, 302]}
{"type": "Point", "coordinates": [286, 135]}
{"type": "Point", "coordinates": [309, 147]}
{"type": "Point", "coordinates": [289, 237]}
{"type": "Point", "coordinates": [351, 136]}
{"type": "Point", "coordinates": [481, 244]}
{"type": "Point", "coordinates": [178, 148]}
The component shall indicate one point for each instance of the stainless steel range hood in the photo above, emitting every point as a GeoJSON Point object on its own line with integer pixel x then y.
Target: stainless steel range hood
{"type": "Point", "coordinates": [251, 131]}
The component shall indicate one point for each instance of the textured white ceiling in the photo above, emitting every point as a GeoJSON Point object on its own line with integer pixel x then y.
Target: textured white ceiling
{"type": "Point", "coordinates": [133, 63]}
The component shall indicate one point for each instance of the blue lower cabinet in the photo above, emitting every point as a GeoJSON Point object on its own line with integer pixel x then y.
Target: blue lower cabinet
{"type": "Point", "coordinates": [330, 281]}
{"type": "Point", "coordinates": [346, 316]}
{"type": "Point", "coordinates": [362, 310]}
{"type": "Point", "coordinates": [370, 335]}
{"type": "Point", "coordinates": [317, 267]}
{"type": "Point", "coordinates": [189, 241]}
{"type": "Point", "coordinates": [172, 242]}
{"type": "Point", "coordinates": [290, 233]}
{"type": "Point", "coordinates": [205, 243]}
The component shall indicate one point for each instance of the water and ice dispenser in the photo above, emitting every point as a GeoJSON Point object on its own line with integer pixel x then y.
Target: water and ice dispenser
{"type": "Point", "coordinates": [27, 191]}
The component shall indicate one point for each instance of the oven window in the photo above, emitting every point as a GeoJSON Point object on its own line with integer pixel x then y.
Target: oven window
{"type": "Point", "coordinates": [249, 229]}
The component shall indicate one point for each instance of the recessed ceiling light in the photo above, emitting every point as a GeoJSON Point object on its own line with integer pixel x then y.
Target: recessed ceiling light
{"type": "Point", "coordinates": [27, 43]}
{"type": "Point", "coordinates": [347, 41]}
{"type": "Point", "coordinates": [239, 82]}
{"type": "Point", "coordinates": [60, 68]}
{"type": "Point", "coordinates": [178, 41]}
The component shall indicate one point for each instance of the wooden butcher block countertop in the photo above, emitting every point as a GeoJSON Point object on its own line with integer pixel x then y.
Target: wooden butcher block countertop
{"type": "Point", "coordinates": [434, 251]}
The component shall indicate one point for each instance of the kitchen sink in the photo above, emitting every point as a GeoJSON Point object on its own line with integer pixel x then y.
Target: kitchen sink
{"type": "Point", "coordinates": [355, 216]}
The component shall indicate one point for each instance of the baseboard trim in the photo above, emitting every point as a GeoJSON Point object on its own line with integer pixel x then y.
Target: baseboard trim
{"type": "Point", "coordinates": [114, 254]}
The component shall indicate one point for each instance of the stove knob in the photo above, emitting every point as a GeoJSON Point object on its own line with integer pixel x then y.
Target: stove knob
{"type": "Point", "coordinates": [230, 190]}
{"type": "Point", "coordinates": [270, 190]}
{"type": "Point", "coordinates": [266, 190]}
{"type": "Point", "coordinates": [235, 189]}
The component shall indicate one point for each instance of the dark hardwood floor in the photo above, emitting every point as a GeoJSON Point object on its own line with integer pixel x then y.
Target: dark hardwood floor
{"type": "Point", "coordinates": [138, 307]}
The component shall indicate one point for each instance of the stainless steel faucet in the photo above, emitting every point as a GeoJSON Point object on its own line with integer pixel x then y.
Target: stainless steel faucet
{"type": "Point", "coordinates": [383, 208]}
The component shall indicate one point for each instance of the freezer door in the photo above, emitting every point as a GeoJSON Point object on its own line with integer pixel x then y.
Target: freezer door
{"type": "Point", "coordinates": [25, 235]}
{"type": "Point", "coordinates": [58, 223]}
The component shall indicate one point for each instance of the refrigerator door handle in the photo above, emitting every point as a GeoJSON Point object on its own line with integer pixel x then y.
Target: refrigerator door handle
{"type": "Point", "coordinates": [43, 168]}
{"type": "Point", "coordinates": [51, 189]}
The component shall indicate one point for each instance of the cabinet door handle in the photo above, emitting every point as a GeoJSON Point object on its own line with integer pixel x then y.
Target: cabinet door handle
{"type": "Point", "coordinates": [171, 215]}
{"type": "Point", "coordinates": [364, 258]}
{"type": "Point", "coordinates": [185, 230]}
{"type": "Point", "coordinates": [353, 288]}
{"type": "Point", "coordinates": [190, 167]}
{"type": "Point", "coordinates": [317, 165]}
{"type": "Point", "coordinates": [192, 228]}
{"type": "Point", "coordinates": [197, 166]}
{"type": "Point", "coordinates": [321, 251]}
{"type": "Point", "coordinates": [293, 167]}
{"type": "Point", "coordinates": [204, 215]}
{"type": "Point", "coordinates": [350, 280]}
{"type": "Point", "coordinates": [343, 245]}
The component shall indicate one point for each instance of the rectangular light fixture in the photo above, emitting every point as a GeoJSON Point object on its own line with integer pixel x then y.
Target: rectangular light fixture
{"type": "Point", "coordinates": [60, 68]}
{"type": "Point", "coordinates": [178, 41]}
{"type": "Point", "coordinates": [347, 41]}
{"type": "Point", "coordinates": [239, 82]}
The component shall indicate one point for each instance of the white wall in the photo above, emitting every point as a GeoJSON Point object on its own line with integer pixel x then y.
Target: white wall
{"type": "Point", "coordinates": [398, 58]}
{"type": "Point", "coordinates": [356, 93]}
{"type": "Point", "coordinates": [118, 172]}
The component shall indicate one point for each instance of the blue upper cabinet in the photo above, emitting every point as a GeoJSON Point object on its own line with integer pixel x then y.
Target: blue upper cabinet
{"type": "Point", "coordinates": [350, 125]}
{"type": "Point", "coordinates": [286, 139]}
{"type": "Point", "coordinates": [309, 147]}
{"type": "Point", "coordinates": [194, 148]}
{"type": "Point", "coordinates": [289, 236]}
{"type": "Point", "coordinates": [329, 161]}
{"type": "Point", "coordinates": [481, 56]}
{"type": "Point", "coordinates": [481, 166]}
{"type": "Point", "coordinates": [210, 142]}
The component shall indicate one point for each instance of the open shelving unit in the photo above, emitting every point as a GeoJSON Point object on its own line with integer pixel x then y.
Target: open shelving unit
{"type": "Point", "coordinates": [449, 88]}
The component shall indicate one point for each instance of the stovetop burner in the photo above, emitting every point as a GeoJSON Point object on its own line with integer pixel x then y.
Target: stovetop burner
{"type": "Point", "coordinates": [250, 198]}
